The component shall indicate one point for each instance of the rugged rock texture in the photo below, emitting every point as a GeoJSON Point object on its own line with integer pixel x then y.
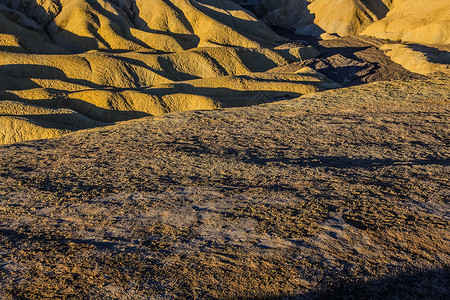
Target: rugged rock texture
{"type": "Point", "coordinates": [355, 60]}
{"type": "Point", "coordinates": [339, 194]}
{"type": "Point", "coordinates": [109, 87]}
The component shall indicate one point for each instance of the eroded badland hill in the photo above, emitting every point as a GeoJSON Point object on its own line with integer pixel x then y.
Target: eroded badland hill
{"type": "Point", "coordinates": [191, 149]}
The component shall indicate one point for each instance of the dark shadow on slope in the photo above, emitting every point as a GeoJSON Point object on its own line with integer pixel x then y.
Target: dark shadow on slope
{"type": "Point", "coordinates": [28, 71]}
{"type": "Point", "coordinates": [86, 109]}
{"type": "Point", "coordinates": [343, 162]}
{"type": "Point", "coordinates": [314, 79]}
{"type": "Point", "coordinates": [225, 96]}
{"type": "Point", "coordinates": [172, 71]}
{"type": "Point", "coordinates": [187, 88]}
{"type": "Point", "coordinates": [377, 7]}
{"type": "Point", "coordinates": [13, 83]}
{"type": "Point", "coordinates": [233, 22]}
{"type": "Point", "coordinates": [432, 54]}
{"type": "Point", "coordinates": [187, 41]}
{"type": "Point", "coordinates": [29, 38]}
{"type": "Point", "coordinates": [122, 31]}
{"type": "Point", "coordinates": [373, 9]}
{"type": "Point", "coordinates": [432, 284]}
{"type": "Point", "coordinates": [306, 18]}
{"type": "Point", "coordinates": [14, 49]}
{"type": "Point", "coordinates": [59, 121]}
{"type": "Point", "coordinates": [254, 61]}
{"type": "Point", "coordinates": [103, 114]}
{"type": "Point", "coordinates": [39, 10]}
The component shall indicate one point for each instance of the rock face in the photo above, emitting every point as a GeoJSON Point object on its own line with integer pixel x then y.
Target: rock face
{"type": "Point", "coordinates": [162, 25]}
{"type": "Point", "coordinates": [115, 87]}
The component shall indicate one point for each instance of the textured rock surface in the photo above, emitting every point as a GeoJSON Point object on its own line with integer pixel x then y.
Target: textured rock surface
{"type": "Point", "coordinates": [105, 89]}
{"type": "Point", "coordinates": [352, 60]}
{"type": "Point", "coordinates": [340, 194]}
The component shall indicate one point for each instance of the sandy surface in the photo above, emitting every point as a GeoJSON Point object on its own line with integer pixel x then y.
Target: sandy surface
{"type": "Point", "coordinates": [340, 194]}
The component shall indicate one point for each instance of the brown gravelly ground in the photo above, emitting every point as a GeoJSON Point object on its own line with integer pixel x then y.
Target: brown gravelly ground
{"type": "Point", "coordinates": [341, 194]}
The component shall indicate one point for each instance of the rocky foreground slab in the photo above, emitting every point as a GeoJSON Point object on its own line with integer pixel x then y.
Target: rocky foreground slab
{"type": "Point", "coordinates": [339, 194]}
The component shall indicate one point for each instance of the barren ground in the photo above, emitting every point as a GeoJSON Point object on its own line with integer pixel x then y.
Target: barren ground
{"type": "Point", "coordinates": [341, 194]}
{"type": "Point", "coordinates": [349, 60]}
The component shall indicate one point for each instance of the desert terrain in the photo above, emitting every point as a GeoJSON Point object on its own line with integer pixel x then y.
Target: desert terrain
{"type": "Point", "coordinates": [193, 149]}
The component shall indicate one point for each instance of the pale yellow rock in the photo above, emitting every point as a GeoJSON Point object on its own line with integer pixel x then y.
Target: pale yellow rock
{"type": "Point", "coordinates": [419, 61]}
{"type": "Point", "coordinates": [16, 129]}
{"type": "Point", "coordinates": [109, 105]}
{"type": "Point", "coordinates": [23, 122]}
{"type": "Point", "coordinates": [134, 69]}
{"type": "Point", "coordinates": [419, 21]}
{"type": "Point", "coordinates": [169, 26]}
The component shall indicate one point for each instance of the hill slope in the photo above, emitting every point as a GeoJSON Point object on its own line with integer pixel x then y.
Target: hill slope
{"type": "Point", "coordinates": [421, 22]}
{"type": "Point", "coordinates": [424, 22]}
{"type": "Point", "coordinates": [82, 25]}
{"type": "Point", "coordinates": [314, 17]}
